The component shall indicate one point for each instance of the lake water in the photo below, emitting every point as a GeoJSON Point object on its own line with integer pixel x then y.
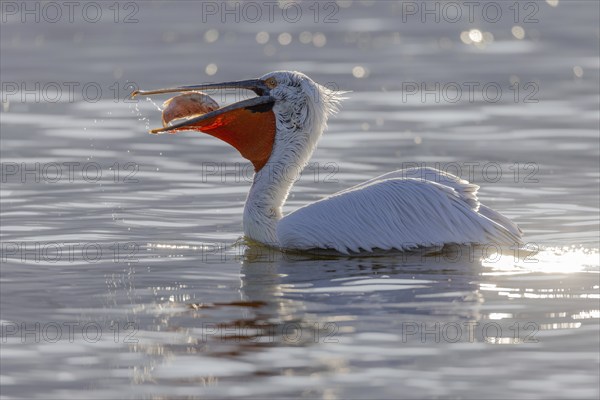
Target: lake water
{"type": "Point", "coordinates": [123, 270]}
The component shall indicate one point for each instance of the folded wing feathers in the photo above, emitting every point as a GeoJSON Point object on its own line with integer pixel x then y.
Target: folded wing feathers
{"type": "Point", "coordinates": [396, 213]}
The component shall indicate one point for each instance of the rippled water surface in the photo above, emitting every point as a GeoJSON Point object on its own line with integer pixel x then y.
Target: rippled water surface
{"type": "Point", "coordinates": [124, 273]}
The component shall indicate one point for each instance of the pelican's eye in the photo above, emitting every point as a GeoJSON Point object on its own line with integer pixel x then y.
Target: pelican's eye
{"type": "Point", "coordinates": [271, 82]}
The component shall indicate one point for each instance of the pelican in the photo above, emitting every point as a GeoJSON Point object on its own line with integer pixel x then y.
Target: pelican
{"type": "Point", "coordinates": [401, 210]}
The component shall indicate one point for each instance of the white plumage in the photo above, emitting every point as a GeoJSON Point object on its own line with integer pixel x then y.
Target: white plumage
{"type": "Point", "coordinates": [406, 209]}
{"type": "Point", "coordinates": [392, 213]}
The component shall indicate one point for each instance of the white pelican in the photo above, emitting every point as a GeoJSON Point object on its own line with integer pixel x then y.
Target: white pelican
{"type": "Point", "coordinates": [401, 210]}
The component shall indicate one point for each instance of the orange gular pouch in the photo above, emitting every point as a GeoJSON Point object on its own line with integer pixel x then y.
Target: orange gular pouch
{"type": "Point", "coordinates": [251, 130]}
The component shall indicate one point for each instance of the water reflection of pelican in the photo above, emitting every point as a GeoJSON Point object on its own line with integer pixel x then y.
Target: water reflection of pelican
{"type": "Point", "coordinates": [309, 291]}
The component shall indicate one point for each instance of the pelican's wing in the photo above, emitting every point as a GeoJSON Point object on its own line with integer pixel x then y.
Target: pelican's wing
{"type": "Point", "coordinates": [466, 190]}
{"type": "Point", "coordinates": [395, 213]}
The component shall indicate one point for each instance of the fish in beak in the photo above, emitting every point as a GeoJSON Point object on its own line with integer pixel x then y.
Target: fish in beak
{"type": "Point", "coordinates": [248, 125]}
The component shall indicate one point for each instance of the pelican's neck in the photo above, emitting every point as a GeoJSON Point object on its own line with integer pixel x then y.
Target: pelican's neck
{"type": "Point", "coordinates": [271, 185]}
{"type": "Point", "coordinates": [270, 188]}
{"type": "Point", "coordinates": [297, 131]}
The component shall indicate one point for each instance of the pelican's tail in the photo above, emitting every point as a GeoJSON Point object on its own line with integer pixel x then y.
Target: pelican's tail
{"type": "Point", "coordinates": [500, 219]}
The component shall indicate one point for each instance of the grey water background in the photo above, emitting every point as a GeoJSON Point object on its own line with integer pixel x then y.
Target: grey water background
{"type": "Point", "coordinates": [123, 274]}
